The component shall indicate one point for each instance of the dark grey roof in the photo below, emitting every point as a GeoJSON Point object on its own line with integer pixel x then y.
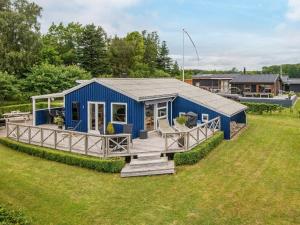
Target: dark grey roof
{"type": "Point", "coordinates": [215, 76]}
{"type": "Point", "coordinates": [294, 81]}
{"type": "Point", "coordinates": [261, 78]}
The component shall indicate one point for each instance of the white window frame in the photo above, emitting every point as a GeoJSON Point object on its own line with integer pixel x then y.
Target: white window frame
{"type": "Point", "coordinates": [163, 107]}
{"type": "Point", "coordinates": [204, 115]}
{"type": "Point", "coordinates": [111, 112]}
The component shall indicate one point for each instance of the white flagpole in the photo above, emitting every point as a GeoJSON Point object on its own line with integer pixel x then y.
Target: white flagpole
{"type": "Point", "coordinates": [183, 54]}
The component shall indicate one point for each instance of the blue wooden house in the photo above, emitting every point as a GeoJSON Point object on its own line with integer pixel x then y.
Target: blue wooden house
{"type": "Point", "coordinates": [92, 104]}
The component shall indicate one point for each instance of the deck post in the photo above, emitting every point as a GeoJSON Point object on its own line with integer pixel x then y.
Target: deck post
{"type": "Point", "coordinates": [86, 144]}
{"type": "Point", "coordinates": [70, 142]}
{"type": "Point", "coordinates": [55, 139]}
{"type": "Point", "coordinates": [166, 142]}
{"type": "Point", "coordinates": [18, 133]}
{"type": "Point", "coordinates": [42, 137]}
{"type": "Point", "coordinates": [7, 129]}
{"type": "Point", "coordinates": [29, 135]}
{"type": "Point", "coordinates": [187, 141]}
{"type": "Point", "coordinates": [198, 135]}
{"type": "Point", "coordinates": [205, 130]}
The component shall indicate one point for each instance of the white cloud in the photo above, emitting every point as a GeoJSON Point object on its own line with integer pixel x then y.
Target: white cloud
{"type": "Point", "coordinates": [293, 13]}
{"type": "Point", "coordinates": [109, 14]}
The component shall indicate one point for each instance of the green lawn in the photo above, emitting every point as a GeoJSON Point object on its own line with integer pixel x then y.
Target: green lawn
{"type": "Point", "coordinates": [254, 179]}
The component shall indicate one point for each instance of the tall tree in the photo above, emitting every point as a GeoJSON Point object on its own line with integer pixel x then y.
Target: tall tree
{"type": "Point", "coordinates": [164, 61]}
{"type": "Point", "coordinates": [19, 36]}
{"type": "Point", "coordinates": [93, 55]}
{"type": "Point", "coordinates": [151, 41]}
{"type": "Point", "coordinates": [61, 43]}
{"type": "Point", "coordinates": [175, 69]}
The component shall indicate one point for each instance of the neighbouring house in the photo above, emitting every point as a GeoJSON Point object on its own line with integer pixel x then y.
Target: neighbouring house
{"type": "Point", "coordinates": [264, 85]}
{"type": "Point", "coordinates": [246, 85]}
{"type": "Point", "coordinates": [91, 105]}
{"type": "Point", "coordinates": [291, 84]}
{"type": "Point", "coordinates": [214, 82]}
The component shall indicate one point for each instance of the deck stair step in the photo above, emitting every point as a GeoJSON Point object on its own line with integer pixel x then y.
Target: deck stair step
{"type": "Point", "coordinates": [148, 164]}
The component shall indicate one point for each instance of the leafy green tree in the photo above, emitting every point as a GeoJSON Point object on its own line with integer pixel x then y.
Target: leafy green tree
{"type": "Point", "coordinates": [9, 88]}
{"type": "Point", "coordinates": [19, 36]}
{"type": "Point", "coordinates": [61, 43]}
{"type": "Point", "coordinates": [93, 54]}
{"type": "Point", "coordinates": [164, 61]}
{"type": "Point", "coordinates": [136, 42]}
{"type": "Point", "coordinates": [46, 78]}
{"type": "Point", "coordinates": [151, 42]}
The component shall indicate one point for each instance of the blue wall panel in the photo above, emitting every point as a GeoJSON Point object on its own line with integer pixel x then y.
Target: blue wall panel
{"type": "Point", "coordinates": [41, 117]}
{"type": "Point", "coordinates": [99, 93]}
{"type": "Point", "coordinates": [239, 118]}
{"type": "Point", "coordinates": [183, 105]}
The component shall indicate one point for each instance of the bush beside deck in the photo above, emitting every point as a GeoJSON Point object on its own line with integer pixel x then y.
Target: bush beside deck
{"type": "Point", "coordinates": [112, 165]}
{"type": "Point", "coordinates": [200, 151]}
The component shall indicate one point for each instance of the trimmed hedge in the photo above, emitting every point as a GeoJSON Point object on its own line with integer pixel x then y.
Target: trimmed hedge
{"type": "Point", "coordinates": [27, 107]}
{"type": "Point", "coordinates": [260, 108]}
{"type": "Point", "coordinates": [10, 217]}
{"type": "Point", "coordinates": [111, 165]}
{"type": "Point", "coordinates": [199, 152]}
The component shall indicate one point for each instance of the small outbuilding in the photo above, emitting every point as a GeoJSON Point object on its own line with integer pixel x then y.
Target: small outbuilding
{"type": "Point", "coordinates": [91, 105]}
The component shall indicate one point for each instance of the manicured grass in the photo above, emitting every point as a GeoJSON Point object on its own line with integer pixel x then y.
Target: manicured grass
{"type": "Point", "coordinates": [253, 179]}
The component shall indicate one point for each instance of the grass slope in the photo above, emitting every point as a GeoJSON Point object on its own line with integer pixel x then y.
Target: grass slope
{"type": "Point", "coordinates": [254, 179]}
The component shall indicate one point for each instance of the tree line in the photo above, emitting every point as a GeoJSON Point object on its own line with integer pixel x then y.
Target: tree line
{"type": "Point", "coordinates": [34, 63]}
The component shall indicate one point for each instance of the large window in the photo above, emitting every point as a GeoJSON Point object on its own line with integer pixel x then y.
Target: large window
{"type": "Point", "coordinates": [119, 113]}
{"type": "Point", "coordinates": [75, 111]}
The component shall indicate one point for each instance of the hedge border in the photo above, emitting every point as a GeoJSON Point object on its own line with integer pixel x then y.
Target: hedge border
{"type": "Point", "coordinates": [200, 151]}
{"type": "Point", "coordinates": [111, 165]}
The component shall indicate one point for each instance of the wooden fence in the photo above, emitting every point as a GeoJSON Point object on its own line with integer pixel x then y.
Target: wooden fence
{"type": "Point", "coordinates": [185, 141]}
{"type": "Point", "coordinates": [83, 143]}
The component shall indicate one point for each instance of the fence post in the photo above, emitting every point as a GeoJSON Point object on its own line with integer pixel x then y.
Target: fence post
{"type": "Point", "coordinates": [55, 139]}
{"type": "Point", "coordinates": [70, 141]}
{"type": "Point", "coordinates": [106, 147]}
{"type": "Point", "coordinates": [187, 134]}
{"type": "Point", "coordinates": [42, 137]}
{"type": "Point", "coordinates": [7, 129]}
{"type": "Point", "coordinates": [18, 133]}
{"type": "Point", "coordinates": [29, 135]}
{"type": "Point", "coordinates": [198, 135]}
{"type": "Point", "coordinates": [166, 143]}
{"type": "Point", "coordinates": [206, 131]}
{"type": "Point", "coordinates": [86, 144]}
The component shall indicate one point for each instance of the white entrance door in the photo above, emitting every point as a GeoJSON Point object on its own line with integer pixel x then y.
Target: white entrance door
{"type": "Point", "coordinates": [154, 112]}
{"type": "Point", "coordinates": [96, 117]}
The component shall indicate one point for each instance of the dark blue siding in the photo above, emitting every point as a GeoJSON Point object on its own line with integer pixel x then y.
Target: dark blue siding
{"type": "Point", "coordinates": [99, 93]}
{"type": "Point", "coordinates": [41, 117]}
{"type": "Point", "coordinates": [239, 118]}
{"type": "Point", "coordinates": [183, 105]}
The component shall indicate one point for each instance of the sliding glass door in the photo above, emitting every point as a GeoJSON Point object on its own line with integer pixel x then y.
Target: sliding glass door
{"type": "Point", "coordinates": [96, 117]}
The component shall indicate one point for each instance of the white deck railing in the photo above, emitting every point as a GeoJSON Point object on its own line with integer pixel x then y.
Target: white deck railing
{"type": "Point", "coordinates": [79, 142]}
{"type": "Point", "coordinates": [185, 141]}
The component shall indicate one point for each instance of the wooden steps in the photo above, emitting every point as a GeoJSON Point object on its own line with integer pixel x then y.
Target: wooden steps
{"type": "Point", "coordinates": [148, 164]}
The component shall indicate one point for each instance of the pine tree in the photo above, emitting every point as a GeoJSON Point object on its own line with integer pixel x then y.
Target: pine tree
{"type": "Point", "coordinates": [92, 52]}
{"type": "Point", "coordinates": [164, 61]}
{"type": "Point", "coordinates": [175, 69]}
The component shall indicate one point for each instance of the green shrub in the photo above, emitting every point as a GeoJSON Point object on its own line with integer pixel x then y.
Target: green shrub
{"type": "Point", "coordinates": [111, 165]}
{"type": "Point", "coordinates": [260, 108]}
{"type": "Point", "coordinates": [199, 152]}
{"type": "Point", "coordinates": [10, 217]}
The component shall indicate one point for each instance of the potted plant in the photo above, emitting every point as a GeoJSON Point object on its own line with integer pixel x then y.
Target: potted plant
{"type": "Point", "coordinates": [182, 121]}
{"type": "Point", "coordinates": [111, 130]}
{"type": "Point", "coordinates": [59, 121]}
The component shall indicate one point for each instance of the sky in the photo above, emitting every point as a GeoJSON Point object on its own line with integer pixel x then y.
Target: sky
{"type": "Point", "coordinates": [227, 33]}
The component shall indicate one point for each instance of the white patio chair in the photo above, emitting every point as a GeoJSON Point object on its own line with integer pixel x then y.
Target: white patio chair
{"type": "Point", "coordinates": [164, 127]}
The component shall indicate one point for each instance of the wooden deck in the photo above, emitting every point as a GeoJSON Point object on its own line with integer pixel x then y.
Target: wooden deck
{"type": "Point", "coordinates": [110, 145]}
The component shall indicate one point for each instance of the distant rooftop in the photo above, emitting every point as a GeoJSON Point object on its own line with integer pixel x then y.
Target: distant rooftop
{"type": "Point", "coordinates": [260, 78]}
{"type": "Point", "coordinates": [216, 76]}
